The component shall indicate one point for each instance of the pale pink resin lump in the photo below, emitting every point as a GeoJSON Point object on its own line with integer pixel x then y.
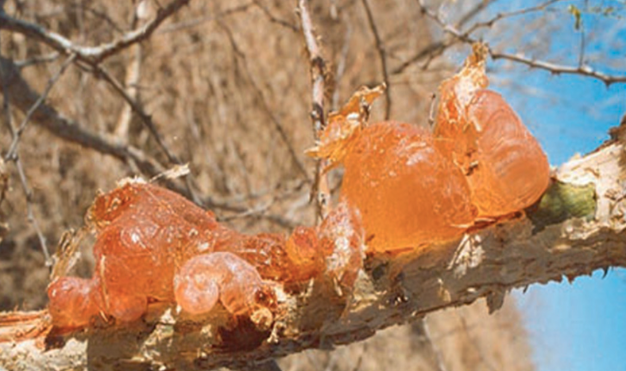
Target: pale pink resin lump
{"type": "Point", "coordinates": [223, 276]}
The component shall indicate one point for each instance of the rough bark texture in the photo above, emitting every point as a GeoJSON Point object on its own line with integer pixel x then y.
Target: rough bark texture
{"type": "Point", "coordinates": [577, 228]}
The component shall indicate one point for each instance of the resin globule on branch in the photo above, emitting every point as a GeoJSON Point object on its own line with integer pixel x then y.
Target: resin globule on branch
{"type": "Point", "coordinates": [153, 245]}
{"type": "Point", "coordinates": [413, 187]}
{"type": "Point", "coordinates": [404, 188]}
{"type": "Point", "coordinates": [505, 167]}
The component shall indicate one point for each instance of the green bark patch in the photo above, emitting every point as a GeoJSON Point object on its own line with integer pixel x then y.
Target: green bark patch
{"type": "Point", "coordinates": [563, 201]}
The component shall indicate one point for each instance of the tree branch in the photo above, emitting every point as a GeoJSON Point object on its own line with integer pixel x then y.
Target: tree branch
{"type": "Point", "coordinates": [577, 228]}
{"type": "Point", "coordinates": [581, 69]}
{"type": "Point", "coordinates": [556, 69]}
{"type": "Point", "coordinates": [23, 98]}
{"type": "Point", "coordinates": [382, 56]}
{"type": "Point", "coordinates": [321, 189]}
{"type": "Point", "coordinates": [89, 54]}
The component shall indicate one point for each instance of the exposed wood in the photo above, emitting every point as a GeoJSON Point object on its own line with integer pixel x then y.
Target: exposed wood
{"type": "Point", "coordinates": [581, 228]}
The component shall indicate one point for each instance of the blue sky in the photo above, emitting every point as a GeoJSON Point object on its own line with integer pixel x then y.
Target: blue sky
{"type": "Point", "coordinates": [578, 326]}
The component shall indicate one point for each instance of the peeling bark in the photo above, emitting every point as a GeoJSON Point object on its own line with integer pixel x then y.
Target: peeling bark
{"type": "Point", "coordinates": [578, 227]}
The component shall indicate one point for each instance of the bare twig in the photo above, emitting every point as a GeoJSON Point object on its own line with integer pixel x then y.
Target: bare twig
{"type": "Point", "coordinates": [194, 22]}
{"type": "Point", "coordinates": [554, 68]}
{"type": "Point", "coordinates": [341, 66]}
{"type": "Point", "coordinates": [273, 19]}
{"type": "Point", "coordinates": [12, 153]}
{"type": "Point", "coordinates": [28, 193]}
{"type": "Point", "coordinates": [422, 329]}
{"type": "Point", "coordinates": [51, 57]}
{"type": "Point", "coordinates": [260, 210]}
{"type": "Point", "coordinates": [83, 7]}
{"type": "Point", "coordinates": [380, 48]}
{"type": "Point", "coordinates": [282, 132]}
{"type": "Point", "coordinates": [436, 47]}
{"type": "Point", "coordinates": [581, 55]}
{"type": "Point", "coordinates": [6, 107]}
{"type": "Point", "coordinates": [431, 111]}
{"type": "Point", "coordinates": [22, 96]}
{"type": "Point", "coordinates": [145, 118]}
{"type": "Point", "coordinates": [133, 74]}
{"type": "Point", "coordinates": [501, 16]}
{"type": "Point", "coordinates": [91, 55]}
{"type": "Point", "coordinates": [477, 9]}
{"type": "Point", "coordinates": [320, 189]}
{"type": "Point", "coordinates": [474, 343]}
{"type": "Point", "coordinates": [18, 133]}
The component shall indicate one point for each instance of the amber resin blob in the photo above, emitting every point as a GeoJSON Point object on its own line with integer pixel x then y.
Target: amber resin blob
{"type": "Point", "coordinates": [407, 192]}
{"type": "Point", "coordinates": [153, 245]}
{"type": "Point", "coordinates": [505, 166]}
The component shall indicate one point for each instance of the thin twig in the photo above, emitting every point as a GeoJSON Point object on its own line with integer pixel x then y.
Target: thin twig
{"type": "Point", "coordinates": [12, 153]}
{"type": "Point", "coordinates": [51, 57]}
{"type": "Point", "coordinates": [436, 48]}
{"type": "Point", "coordinates": [133, 74]}
{"type": "Point", "coordinates": [190, 23]}
{"type": "Point", "coordinates": [477, 9]}
{"type": "Point", "coordinates": [434, 349]}
{"type": "Point", "coordinates": [341, 65]}
{"type": "Point", "coordinates": [432, 48]}
{"type": "Point", "coordinates": [6, 101]}
{"type": "Point", "coordinates": [260, 210]}
{"type": "Point", "coordinates": [28, 193]}
{"type": "Point", "coordinates": [273, 19]}
{"type": "Point", "coordinates": [581, 55]}
{"type": "Point", "coordinates": [554, 68]}
{"type": "Point", "coordinates": [4, 70]}
{"type": "Point", "coordinates": [82, 7]}
{"type": "Point", "coordinates": [29, 114]}
{"type": "Point", "coordinates": [23, 97]}
{"type": "Point", "coordinates": [318, 79]}
{"type": "Point", "coordinates": [145, 118]}
{"type": "Point", "coordinates": [475, 344]}
{"type": "Point", "coordinates": [431, 111]}
{"type": "Point", "coordinates": [382, 56]}
{"type": "Point", "coordinates": [91, 55]}
{"type": "Point", "coordinates": [501, 16]}
{"type": "Point", "coordinates": [278, 125]}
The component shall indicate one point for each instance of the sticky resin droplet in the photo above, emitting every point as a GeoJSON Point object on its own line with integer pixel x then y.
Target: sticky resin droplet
{"type": "Point", "coordinates": [476, 129]}
{"type": "Point", "coordinates": [73, 302]}
{"type": "Point", "coordinates": [408, 196]}
{"type": "Point", "coordinates": [204, 279]}
{"type": "Point", "coordinates": [341, 241]}
{"type": "Point", "coordinates": [303, 251]}
{"type": "Point", "coordinates": [511, 171]}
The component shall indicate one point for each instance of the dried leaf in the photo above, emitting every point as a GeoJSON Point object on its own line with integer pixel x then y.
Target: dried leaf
{"type": "Point", "coordinates": [66, 253]}
{"type": "Point", "coordinates": [177, 171]}
{"type": "Point", "coordinates": [343, 125]}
